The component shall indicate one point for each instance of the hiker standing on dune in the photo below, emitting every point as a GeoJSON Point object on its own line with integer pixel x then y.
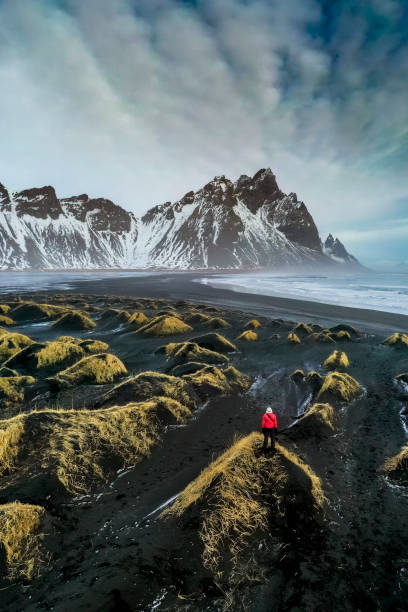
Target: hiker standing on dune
{"type": "Point", "coordinates": [269, 427]}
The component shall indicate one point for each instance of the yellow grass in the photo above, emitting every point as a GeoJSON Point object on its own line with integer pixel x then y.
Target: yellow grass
{"type": "Point", "coordinates": [240, 492]}
{"type": "Point", "coordinates": [293, 338]}
{"type": "Point", "coordinates": [248, 336]}
{"type": "Point", "coordinates": [94, 346]}
{"type": "Point", "coordinates": [150, 384]}
{"type": "Point", "coordinates": [322, 337]}
{"type": "Point", "coordinates": [216, 323]}
{"type": "Point", "coordinates": [22, 538]}
{"type": "Point", "coordinates": [196, 318]}
{"type": "Point", "coordinates": [318, 421]}
{"type": "Point", "coordinates": [164, 326]}
{"type": "Point", "coordinates": [59, 354]}
{"type": "Point", "coordinates": [211, 380]}
{"type": "Point", "coordinates": [181, 352]}
{"type": "Point", "coordinates": [83, 448]}
{"type": "Point", "coordinates": [68, 339]}
{"type": "Point", "coordinates": [138, 318]}
{"type": "Point", "coordinates": [338, 360]}
{"type": "Point", "coordinates": [12, 389]}
{"type": "Point", "coordinates": [340, 386]}
{"type": "Point", "coordinates": [397, 340]}
{"type": "Point", "coordinates": [397, 465]}
{"type": "Point", "coordinates": [4, 320]}
{"type": "Point", "coordinates": [4, 308]}
{"type": "Point", "coordinates": [96, 370]}
{"type": "Point", "coordinates": [12, 343]}
{"type": "Point", "coordinates": [253, 324]}
{"type": "Point", "coordinates": [343, 335]}
{"type": "Point", "coordinates": [74, 320]}
{"type": "Point", "coordinates": [215, 342]}
{"type": "Point", "coordinates": [31, 311]}
{"type": "Point", "coordinates": [303, 328]}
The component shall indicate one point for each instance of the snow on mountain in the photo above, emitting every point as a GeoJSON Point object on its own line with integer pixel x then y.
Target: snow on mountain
{"type": "Point", "coordinates": [336, 250]}
{"type": "Point", "coordinates": [247, 224]}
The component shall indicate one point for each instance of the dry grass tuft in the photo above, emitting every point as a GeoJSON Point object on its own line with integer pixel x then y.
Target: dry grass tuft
{"type": "Point", "coordinates": [216, 323]}
{"type": "Point", "coordinates": [303, 329]}
{"type": "Point", "coordinates": [31, 311]}
{"type": "Point", "coordinates": [397, 466]}
{"type": "Point", "coordinates": [57, 355]}
{"type": "Point", "coordinates": [339, 386]}
{"type": "Point", "coordinates": [4, 308]}
{"type": "Point", "coordinates": [12, 389]}
{"type": "Point", "coordinates": [146, 385]}
{"type": "Point", "coordinates": [318, 422]}
{"type": "Point", "coordinates": [68, 339]}
{"type": "Point", "coordinates": [81, 449]}
{"type": "Point", "coordinates": [297, 376]}
{"type": "Point", "coordinates": [210, 381]}
{"type": "Point", "coordinates": [248, 336]}
{"type": "Point", "coordinates": [21, 536]}
{"type": "Point", "coordinates": [138, 319]}
{"type": "Point", "coordinates": [181, 352]}
{"type": "Point", "coordinates": [94, 346]}
{"type": "Point", "coordinates": [196, 318]}
{"type": "Point", "coordinates": [97, 369]}
{"type": "Point", "coordinates": [239, 493]}
{"type": "Point", "coordinates": [315, 380]}
{"type": "Point", "coordinates": [12, 343]}
{"type": "Point", "coordinates": [338, 360]}
{"type": "Point", "coordinates": [293, 338]}
{"type": "Point", "coordinates": [164, 326]}
{"type": "Point", "coordinates": [215, 342]}
{"type": "Point", "coordinates": [74, 320]}
{"type": "Point", "coordinates": [253, 324]}
{"type": "Point", "coordinates": [397, 340]}
{"type": "Point", "coordinates": [343, 335]}
{"type": "Point", "coordinates": [322, 337]}
{"type": "Point", "coordinates": [4, 320]}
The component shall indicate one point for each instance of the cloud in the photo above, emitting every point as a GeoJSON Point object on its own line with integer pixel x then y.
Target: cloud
{"type": "Point", "coordinates": [142, 100]}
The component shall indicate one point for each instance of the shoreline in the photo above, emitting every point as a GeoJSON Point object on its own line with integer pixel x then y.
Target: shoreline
{"type": "Point", "coordinates": [184, 286]}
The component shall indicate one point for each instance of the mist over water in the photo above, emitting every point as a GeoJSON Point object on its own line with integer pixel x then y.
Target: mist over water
{"type": "Point", "coordinates": [382, 291]}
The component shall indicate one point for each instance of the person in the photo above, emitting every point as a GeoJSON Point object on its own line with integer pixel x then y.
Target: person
{"type": "Point", "coordinates": [269, 427]}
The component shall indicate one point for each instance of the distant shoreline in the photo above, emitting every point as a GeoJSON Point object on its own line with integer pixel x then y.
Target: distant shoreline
{"type": "Point", "coordinates": [182, 286]}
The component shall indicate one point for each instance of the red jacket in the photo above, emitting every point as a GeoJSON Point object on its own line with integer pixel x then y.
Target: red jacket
{"type": "Point", "coordinates": [269, 421]}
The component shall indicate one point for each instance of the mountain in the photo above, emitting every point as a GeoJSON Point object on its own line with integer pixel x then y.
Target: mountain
{"type": "Point", "coordinates": [247, 224]}
{"type": "Point", "coordinates": [337, 251]}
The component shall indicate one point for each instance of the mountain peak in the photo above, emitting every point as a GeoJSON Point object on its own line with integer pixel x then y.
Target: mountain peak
{"type": "Point", "coordinates": [336, 250]}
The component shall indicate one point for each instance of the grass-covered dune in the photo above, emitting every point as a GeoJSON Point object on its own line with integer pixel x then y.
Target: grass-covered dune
{"type": "Point", "coordinates": [75, 451]}
{"type": "Point", "coordinates": [96, 369]}
{"type": "Point", "coordinates": [397, 467]}
{"type": "Point", "coordinates": [23, 530]}
{"type": "Point", "coordinates": [245, 497]}
{"type": "Point", "coordinates": [339, 386]}
{"type": "Point", "coordinates": [182, 352]}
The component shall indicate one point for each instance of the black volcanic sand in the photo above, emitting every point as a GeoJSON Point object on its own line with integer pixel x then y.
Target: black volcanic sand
{"type": "Point", "coordinates": [112, 552]}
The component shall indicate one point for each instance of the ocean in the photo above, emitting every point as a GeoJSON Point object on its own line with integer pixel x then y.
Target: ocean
{"type": "Point", "coordinates": [375, 291]}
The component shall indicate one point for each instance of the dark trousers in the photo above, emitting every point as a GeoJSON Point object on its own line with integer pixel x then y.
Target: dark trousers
{"type": "Point", "coordinates": [269, 433]}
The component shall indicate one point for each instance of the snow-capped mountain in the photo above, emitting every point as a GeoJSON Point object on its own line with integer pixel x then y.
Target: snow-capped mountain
{"type": "Point", "coordinates": [247, 224]}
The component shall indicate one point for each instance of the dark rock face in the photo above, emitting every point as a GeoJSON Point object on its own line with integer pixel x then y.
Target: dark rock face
{"type": "Point", "coordinates": [337, 251]}
{"type": "Point", "coordinates": [247, 224]}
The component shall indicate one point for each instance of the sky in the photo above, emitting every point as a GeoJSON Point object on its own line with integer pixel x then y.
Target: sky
{"type": "Point", "coordinates": [140, 101]}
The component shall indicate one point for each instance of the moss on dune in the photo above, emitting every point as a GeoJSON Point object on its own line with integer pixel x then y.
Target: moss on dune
{"type": "Point", "coordinates": [57, 355]}
{"type": "Point", "coordinates": [96, 369]}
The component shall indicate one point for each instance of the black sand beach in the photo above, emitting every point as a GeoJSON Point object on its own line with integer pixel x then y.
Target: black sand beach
{"type": "Point", "coordinates": [111, 549]}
